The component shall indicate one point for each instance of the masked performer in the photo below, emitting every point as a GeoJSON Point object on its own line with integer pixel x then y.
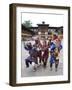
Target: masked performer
{"type": "Point", "coordinates": [32, 55]}
{"type": "Point", "coordinates": [39, 52]}
{"type": "Point", "coordinates": [56, 58]}
{"type": "Point", "coordinates": [58, 44]}
{"type": "Point", "coordinates": [52, 47]}
{"type": "Point", "coordinates": [45, 53]}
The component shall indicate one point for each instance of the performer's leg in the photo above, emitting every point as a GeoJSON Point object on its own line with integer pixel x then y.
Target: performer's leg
{"type": "Point", "coordinates": [45, 61]}
{"type": "Point", "coordinates": [34, 66]}
{"type": "Point", "coordinates": [36, 60]}
{"type": "Point", "coordinates": [40, 57]}
{"type": "Point", "coordinates": [51, 66]}
{"type": "Point", "coordinates": [56, 64]}
{"type": "Point", "coordinates": [28, 60]}
{"type": "Point", "coordinates": [27, 63]}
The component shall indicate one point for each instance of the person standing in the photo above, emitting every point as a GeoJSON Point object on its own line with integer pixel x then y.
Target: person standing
{"type": "Point", "coordinates": [38, 45]}
{"type": "Point", "coordinates": [52, 59]}
{"type": "Point", "coordinates": [52, 47]}
{"type": "Point", "coordinates": [56, 53]}
{"type": "Point", "coordinates": [45, 53]}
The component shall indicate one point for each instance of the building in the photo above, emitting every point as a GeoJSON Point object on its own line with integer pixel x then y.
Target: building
{"type": "Point", "coordinates": [42, 31]}
{"type": "Point", "coordinates": [26, 33]}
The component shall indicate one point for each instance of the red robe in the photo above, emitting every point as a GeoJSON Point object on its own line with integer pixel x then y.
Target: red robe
{"type": "Point", "coordinates": [45, 52]}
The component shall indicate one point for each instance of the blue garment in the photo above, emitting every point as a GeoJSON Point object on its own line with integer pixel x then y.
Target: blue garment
{"type": "Point", "coordinates": [29, 58]}
{"type": "Point", "coordinates": [28, 47]}
{"type": "Point", "coordinates": [32, 56]}
{"type": "Point", "coordinates": [52, 59]}
{"type": "Point", "coordinates": [28, 61]}
{"type": "Point", "coordinates": [33, 52]}
{"type": "Point", "coordinates": [52, 46]}
{"type": "Point", "coordinates": [60, 47]}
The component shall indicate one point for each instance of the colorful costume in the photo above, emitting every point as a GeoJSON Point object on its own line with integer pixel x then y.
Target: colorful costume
{"type": "Point", "coordinates": [33, 55]}
{"type": "Point", "coordinates": [39, 52]}
{"type": "Point", "coordinates": [45, 54]}
{"type": "Point", "coordinates": [52, 56]}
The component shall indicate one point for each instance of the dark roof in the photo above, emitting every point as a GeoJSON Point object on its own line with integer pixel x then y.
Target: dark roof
{"type": "Point", "coordinates": [56, 27]}
{"type": "Point", "coordinates": [26, 29]}
{"type": "Point", "coordinates": [61, 27]}
{"type": "Point", "coordinates": [43, 24]}
{"type": "Point", "coordinates": [33, 27]}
